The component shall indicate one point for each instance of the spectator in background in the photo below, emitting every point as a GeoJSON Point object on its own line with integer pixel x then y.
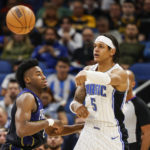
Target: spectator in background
{"type": "Point", "coordinates": [53, 109]}
{"type": "Point", "coordinates": [54, 143]}
{"type": "Point", "coordinates": [3, 134]}
{"type": "Point", "coordinates": [9, 77]}
{"type": "Point", "coordinates": [13, 90]}
{"type": "Point", "coordinates": [145, 21]}
{"type": "Point", "coordinates": [68, 35]}
{"type": "Point", "coordinates": [115, 15]}
{"type": "Point", "coordinates": [131, 51]}
{"type": "Point", "coordinates": [80, 19]}
{"type": "Point", "coordinates": [128, 15]}
{"type": "Point", "coordinates": [137, 119]}
{"type": "Point", "coordinates": [18, 48]}
{"type": "Point", "coordinates": [92, 8]}
{"type": "Point", "coordinates": [4, 122]}
{"type": "Point", "coordinates": [62, 8]}
{"type": "Point", "coordinates": [103, 26]}
{"type": "Point", "coordinates": [51, 50]}
{"type": "Point", "coordinates": [84, 55]}
{"type": "Point", "coordinates": [62, 83]}
{"type": "Point", "coordinates": [49, 18]}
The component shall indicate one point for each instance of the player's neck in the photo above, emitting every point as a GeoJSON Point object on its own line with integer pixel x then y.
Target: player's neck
{"type": "Point", "coordinates": [35, 90]}
{"type": "Point", "coordinates": [129, 95]}
{"type": "Point", "coordinates": [105, 66]}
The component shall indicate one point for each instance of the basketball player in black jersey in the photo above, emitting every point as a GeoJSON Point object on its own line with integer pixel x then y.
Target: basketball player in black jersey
{"type": "Point", "coordinates": [27, 121]}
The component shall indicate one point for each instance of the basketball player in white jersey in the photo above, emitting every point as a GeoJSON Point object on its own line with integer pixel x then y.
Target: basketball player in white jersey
{"type": "Point", "coordinates": [103, 86]}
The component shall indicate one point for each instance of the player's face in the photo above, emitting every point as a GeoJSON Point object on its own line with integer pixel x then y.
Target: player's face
{"type": "Point", "coordinates": [37, 78]}
{"type": "Point", "coordinates": [101, 52]}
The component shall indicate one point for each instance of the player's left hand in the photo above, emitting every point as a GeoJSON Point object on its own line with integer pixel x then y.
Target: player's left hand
{"type": "Point", "coordinates": [80, 78]}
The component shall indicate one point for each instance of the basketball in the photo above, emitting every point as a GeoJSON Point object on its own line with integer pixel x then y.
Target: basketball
{"type": "Point", "coordinates": [20, 19]}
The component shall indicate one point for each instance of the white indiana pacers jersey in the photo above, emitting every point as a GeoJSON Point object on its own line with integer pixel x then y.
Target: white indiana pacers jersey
{"type": "Point", "coordinates": [104, 102]}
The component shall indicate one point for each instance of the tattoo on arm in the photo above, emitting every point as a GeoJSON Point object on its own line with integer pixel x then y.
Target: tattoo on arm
{"type": "Point", "coordinates": [80, 94]}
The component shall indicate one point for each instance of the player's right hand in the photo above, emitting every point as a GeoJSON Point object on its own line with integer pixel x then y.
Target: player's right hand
{"type": "Point", "coordinates": [82, 112]}
{"type": "Point", "coordinates": [58, 126]}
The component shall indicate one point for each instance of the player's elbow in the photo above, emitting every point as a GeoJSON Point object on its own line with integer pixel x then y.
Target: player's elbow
{"type": "Point", "coordinates": [20, 132]}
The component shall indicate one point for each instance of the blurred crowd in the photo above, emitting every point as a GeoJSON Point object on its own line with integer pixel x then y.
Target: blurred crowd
{"type": "Point", "coordinates": [62, 41]}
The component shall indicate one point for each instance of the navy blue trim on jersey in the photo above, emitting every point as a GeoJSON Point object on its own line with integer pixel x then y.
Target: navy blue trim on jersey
{"type": "Point", "coordinates": [117, 103]}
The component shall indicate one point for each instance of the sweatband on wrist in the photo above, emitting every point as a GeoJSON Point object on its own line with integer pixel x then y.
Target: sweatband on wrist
{"type": "Point", "coordinates": [76, 105]}
{"type": "Point", "coordinates": [98, 77]}
{"type": "Point", "coordinates": [51, 122]}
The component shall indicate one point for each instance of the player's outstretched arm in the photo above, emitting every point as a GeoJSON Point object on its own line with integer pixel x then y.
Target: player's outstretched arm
{"type": "Point", "coordinates": [76, 105]}
{"type": "Point", "coordinates": [117, 78]}
{"type": "Point", "coordinates": [24, 127]}
{"type": "Point", "coordinates": [68, 129]}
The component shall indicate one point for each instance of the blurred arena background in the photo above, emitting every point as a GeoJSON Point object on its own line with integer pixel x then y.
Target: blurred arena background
{"type": "Point", "coordinates": [62, 41]}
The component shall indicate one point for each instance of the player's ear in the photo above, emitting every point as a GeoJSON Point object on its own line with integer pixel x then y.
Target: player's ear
{"type": "Point", "coordinates": [27, 79]}
{"type": "Point", "coordinates": [112, 51]}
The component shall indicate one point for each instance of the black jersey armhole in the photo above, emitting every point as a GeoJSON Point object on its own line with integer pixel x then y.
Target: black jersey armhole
{"type": "Point", "coordinates": [36, 105]}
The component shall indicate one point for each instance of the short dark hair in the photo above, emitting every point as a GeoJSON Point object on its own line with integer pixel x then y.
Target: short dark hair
{"type": "Point", "coordinates": [64, 60]}
{"type": "Point", "coordinates": [115, 42]}
{"type": "Point", "coordinates": [24, 66]}
{"type": "Point", "coordinates": [13, 81]}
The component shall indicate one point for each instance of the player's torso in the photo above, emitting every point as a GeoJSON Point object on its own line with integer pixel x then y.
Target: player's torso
{"type": "Point", "coordinates": [28, 141]}
{"type": "Point", "coordinates": [101, 101]}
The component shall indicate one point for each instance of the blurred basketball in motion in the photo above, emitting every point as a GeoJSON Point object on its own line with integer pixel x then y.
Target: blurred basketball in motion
{"type": "Point", "coordinates": [20, 19]}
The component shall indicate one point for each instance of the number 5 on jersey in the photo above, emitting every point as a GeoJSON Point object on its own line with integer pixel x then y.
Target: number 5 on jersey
{"type": "Point", "coordinates": [93, 104]}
